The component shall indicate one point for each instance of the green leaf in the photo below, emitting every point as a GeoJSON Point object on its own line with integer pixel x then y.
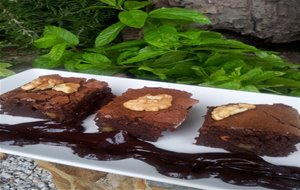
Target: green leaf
{"type": "Point", "coordinates": [126, 44]}
{"type": "Point", "coordinates": [251, 88]}
{"type": "Point", "coordinates": [90, 62]}
{"type": "Point", "coordinates": [109, 34]}
{"type": "Point", "coordinates": [189, 80]}
{"type": "Point", "coordinates": [144, 54]}
{"type": "Point", "coordinates": [45, 62]}
{"type": "Point", "coordinates": [291, 65]}
{"type": "Point", "coordinates": [5, 65]}
{"type": "Point", "coordinates": [157, 72]}
{"type": "Point", "coordinates": [218, 59]}
{"type": "Point", "coordinates": [251, 74]}
{"type": "Point", "coordinates": [280, 81]}
{"type": "Point", "coordinates": [224, 43]}
{"type": "Point", "coordinates": [100, 50]}
{"type": "Point", "coordinates": [68, 37]}
{"type": "Point", "coordinates": [235, 85]}
{"type": "Point", "coordinates": [236, 74]}
{"type": "Point", "coordinates": [71, 63]}
{"type": "Point", "coordinates": [210, 34]}
{"type": "Point", "coordinates": [130, 5]}
{"type": "Point", "coordinates": [168, 59]}
{"type": "Point", "coordinates": [181, 70]}
{"type": "Point", "coordinates": [179, 14]}
{"type": "Point", "coordinates": [194, 37]}
{"type": "Point", "coordinates": [202, 56]}
{"type": "Point", "coordinates": [234, 44]}
{"type": "Point", "coordinates": [99, 71]}
{"type": "Point", "coordinates": [110, 2]}
{"type": "Point", "coordinates": [69, 59]}
{"type": "Point", "coordinates": [126, 55]}
{"type": "Point", "coordinates": [47, 42]}
{"type": "Point", "coordinates": [103, 68]}
{"type": "Point", "coordinates": [120, 3]}
{"type": "Point", "coordinates": [133, 18]}
{"type": "Point", "coordinates": [193, 34]}
{"type": "Point", "coordinates": [81, 66]}
{"type": "Point", "coordinates": [232, 64]}
{"type": "Point", "coordinates": [6, 72]}
{"type": "Point", "coordinates": [219, 75]}
{"type": "Point", "coordinates": [57, 51]}
{"type": "Point", "coordinates": [292, 74]}
{"type": "Point", "coordinates": [143, 74]}
{"type": "Point", "coordinates": [96, 58]}
{"type": "Point", "coordinates": [84, 66]}
{"type": "Point", "coordinates": [295, 92]}
{"type": "Point", "coordinates": [164, 36]}
{"type": "Point", "coordinates": [200, 71]}
{"type": "Point", "coordinates": [262, 54]}
{"type": "Point", "coordinates": [257, 75]}
{"type": "Point", "coordinates": [269, 62]}
{"type": "Point", "coordinates": [275, 90]}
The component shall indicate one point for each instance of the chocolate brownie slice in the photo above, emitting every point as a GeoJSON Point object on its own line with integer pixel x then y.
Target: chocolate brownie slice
{"type": "Point", "coordinates": [261, 129]}
{"type": "Point", "coordinates": [145, 113]}
{"type": "Point", "coordinates": [58, 98]}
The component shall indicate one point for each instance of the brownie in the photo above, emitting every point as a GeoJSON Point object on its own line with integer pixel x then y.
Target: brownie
{"type": "Point", "coordinates": [261, 129]}
{"type": "Point", "coordinates": [146, 112]}
{"type": "Point", "coordinates": [61, 99]}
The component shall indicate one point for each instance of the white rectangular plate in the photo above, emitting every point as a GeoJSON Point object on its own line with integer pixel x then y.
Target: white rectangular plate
{"type": "Point", "coordinates": [180, 141]}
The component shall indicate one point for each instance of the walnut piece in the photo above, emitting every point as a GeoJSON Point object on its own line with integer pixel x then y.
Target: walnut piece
{"type": "Point", "coordinates": [246, 146]}
{"type": "Point", "coordinates": [67, 87]}
{"type": "Point", "coordinates": [3, 156]}
{"type": "Point", "coordinates": [41, 84]}
{"type": "Point", "coordinates": [225, 137]}
{"type": "Point", "coordinates": [48, 83]}
{"type": "Point", "coordinates": [51, 115]}
{"type": "Point", "coordinates": [149, 103]}
{"type": "Point", "coordinates": [222, 112]}
{"type": "Point", "coordinates": [33, 84]}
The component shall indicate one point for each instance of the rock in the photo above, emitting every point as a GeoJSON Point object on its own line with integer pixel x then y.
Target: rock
{"type": "Point", "coordinates": [276, 21]}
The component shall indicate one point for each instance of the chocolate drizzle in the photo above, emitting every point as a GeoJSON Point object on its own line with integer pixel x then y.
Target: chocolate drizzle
{"type": "Point", "coordinates": [238, 169]}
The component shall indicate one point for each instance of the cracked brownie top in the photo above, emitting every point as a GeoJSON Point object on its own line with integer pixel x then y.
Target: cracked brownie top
{"type": "Point", "coordinates": [55, 97]}
{"type": "Point", "coordinates": [263, 117]}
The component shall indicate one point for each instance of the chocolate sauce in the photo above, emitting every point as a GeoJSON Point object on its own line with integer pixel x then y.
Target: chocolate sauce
{"type": "Point", "coordinates": [233, 168]}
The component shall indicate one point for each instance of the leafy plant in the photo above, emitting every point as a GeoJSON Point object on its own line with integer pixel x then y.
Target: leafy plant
{"type": "Point", "coordinates": [170, 49]}
{"type": "Point", "coordinates": [21, 22]}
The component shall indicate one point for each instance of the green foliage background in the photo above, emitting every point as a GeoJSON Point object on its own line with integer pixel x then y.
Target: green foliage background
{"type": "Point", "coordinates": [23, 21]}
{"type": "Point", "coordinates": [84, 36]}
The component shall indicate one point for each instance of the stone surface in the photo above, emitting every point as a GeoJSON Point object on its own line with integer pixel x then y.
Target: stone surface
{"type": "Point", "coordinates": [23, 173]}
{"type": "Point", "coordinates": [276, 21]}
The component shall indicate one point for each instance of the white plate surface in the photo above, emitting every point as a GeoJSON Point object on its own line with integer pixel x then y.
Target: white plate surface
{"type": "Point", "coordinates": [180, 141]}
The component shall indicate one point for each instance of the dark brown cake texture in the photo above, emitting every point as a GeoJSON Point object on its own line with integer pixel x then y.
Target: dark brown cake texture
{"type": "Point", "coordinates": [262, 129]}
{"type": "Point", "coordinates": [62, 99]}
{"type": "Point", "coordinates": [164, 109]}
